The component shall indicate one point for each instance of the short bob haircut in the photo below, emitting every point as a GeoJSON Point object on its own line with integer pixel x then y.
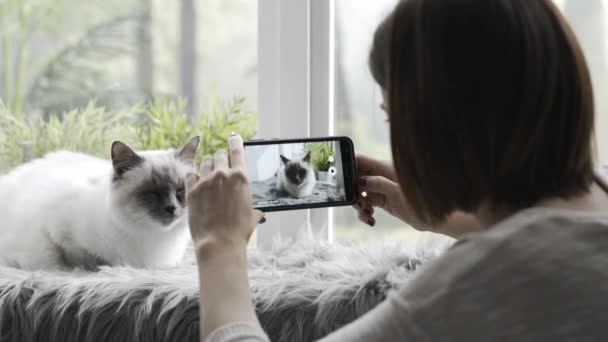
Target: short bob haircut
{"type": "Point", "coordinates": [489, 102]}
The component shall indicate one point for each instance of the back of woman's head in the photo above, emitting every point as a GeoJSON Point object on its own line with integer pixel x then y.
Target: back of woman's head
{"type": "Point", "coordinates": [488, 100]}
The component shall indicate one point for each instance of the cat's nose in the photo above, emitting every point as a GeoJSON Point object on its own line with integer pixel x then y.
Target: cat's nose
{"type": "Point", "coordinates": [170, 209]}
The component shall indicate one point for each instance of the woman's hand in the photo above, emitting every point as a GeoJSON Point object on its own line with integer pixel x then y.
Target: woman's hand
{"type": "Point", "coordinates": [379, 181]}
{"type": "Point", "coordinates": [220, 208]}
{"type": "Point", "coordinates": [222, 219]}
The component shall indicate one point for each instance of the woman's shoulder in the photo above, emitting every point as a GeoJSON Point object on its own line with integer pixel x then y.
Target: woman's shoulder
{"type": "Point", "coordinates": [532, 244]}
{"type": "Point", "coordinates": [515, 274]}
{"type": "Point", "coordinates": [539, 226]}
{"type": "Point", "coordinates": [540, 233]}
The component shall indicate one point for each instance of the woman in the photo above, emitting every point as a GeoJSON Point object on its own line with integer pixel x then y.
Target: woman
{"type": "Point", "coordinates": [491, 117]}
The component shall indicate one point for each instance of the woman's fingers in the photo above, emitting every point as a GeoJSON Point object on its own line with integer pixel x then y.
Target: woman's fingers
{"type": "Point", "coordinates": [365, 213]}
{"type": "Point", "coordinates": [191, 180]}
{"type": "Point", "coordinates": [220, 160]}
{"type": "Point", "coordinates": [367, 219]}
{"type": "Point", "coordinates": [364, 207]}
{"type": "Point", "coordinates": [237, 152]}
{"type": "Point", "coordinates": [206, 166]}
{"type": "Point", "coordinates": [377, 184]}
{"type": "Point", "coordinates": [372, 200]}
{"type": "Point", "coordinates": [367, 165]}
{"type": "Point", "coordinates": [373, 167]}
{"type": "Point", "coordinates": [259, 216]}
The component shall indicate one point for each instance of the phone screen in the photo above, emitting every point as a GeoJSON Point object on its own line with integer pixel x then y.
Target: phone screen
{"type": "Point", "coordinates": [301, 173]}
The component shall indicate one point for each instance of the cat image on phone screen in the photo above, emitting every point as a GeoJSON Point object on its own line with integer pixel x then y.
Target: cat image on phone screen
{"type": "Point", "coordinates": [296, 177]}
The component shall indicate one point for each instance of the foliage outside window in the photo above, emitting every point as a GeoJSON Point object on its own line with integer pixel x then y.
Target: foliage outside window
{"type": "Point", "coordinates": [77, 75]}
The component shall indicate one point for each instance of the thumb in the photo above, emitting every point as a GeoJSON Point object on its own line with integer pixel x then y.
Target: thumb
{"type": "Point", "coordinates": [377, 184]}
{"type": "Point", "coordinates": [191, 180]}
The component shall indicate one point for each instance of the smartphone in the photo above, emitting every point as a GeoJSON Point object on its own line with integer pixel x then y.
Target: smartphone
{"type": "Point", "coordinates": [301, 173]}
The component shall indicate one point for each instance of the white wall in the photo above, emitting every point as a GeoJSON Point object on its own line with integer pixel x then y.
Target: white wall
{"type": "Point", "coordinates": [292, 151]}
{"type": "Point", "coordinates": [263, 161]}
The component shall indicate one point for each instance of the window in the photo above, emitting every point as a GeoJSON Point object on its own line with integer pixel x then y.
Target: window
{"type": "Point", "coordinates": [302, 64]}
{"type": "Point", "coordinates": [358, 99]}
{"type": "Point", "coordinates": [107, 58]}
{"type": "Point", "coordinates": [588, 19]}
{"type": "Point", "coordinates": [357, 109]}
{"type": "Point", "coordinates": [120, 51]}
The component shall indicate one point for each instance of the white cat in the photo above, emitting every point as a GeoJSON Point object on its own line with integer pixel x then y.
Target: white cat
{"type": "Point", "coordinates": [296, 177]}
{"type": "Point", "coordinates": [71, 210]}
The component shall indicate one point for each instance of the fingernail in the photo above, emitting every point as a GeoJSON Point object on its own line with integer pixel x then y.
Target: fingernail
{"type": "Point", "coordinates": [234, 141]}
{"type": "Point", "coordinates": [371, 222]}
{"type": "Point", "coordinates": [362, 181]}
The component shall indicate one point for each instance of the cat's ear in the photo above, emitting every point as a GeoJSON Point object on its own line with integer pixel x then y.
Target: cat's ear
{"type": "Point", "coordinates": [307, 157]}
{"type": "Point", "coordinates": [123, 158]}
{"type": "Point", "coordinates": [188, 151]}
{"type": "Point", "coordinates": [284, 159]}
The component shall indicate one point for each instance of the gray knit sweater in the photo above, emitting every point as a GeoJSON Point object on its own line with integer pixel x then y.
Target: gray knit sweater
{"type": "Point", "coordinates": [540, 275]}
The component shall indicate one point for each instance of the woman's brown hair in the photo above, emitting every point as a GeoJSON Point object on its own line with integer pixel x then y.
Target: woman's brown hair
{"type": "Point", "coordinates": [489, 101]}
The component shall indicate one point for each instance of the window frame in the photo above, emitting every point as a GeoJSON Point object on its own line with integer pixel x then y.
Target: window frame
{"type": "Point", "coordinates": [296, 95]}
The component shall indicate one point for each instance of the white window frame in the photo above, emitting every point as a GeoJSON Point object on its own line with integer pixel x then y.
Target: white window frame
{"type": "Point", "coordinates": [296, 94]}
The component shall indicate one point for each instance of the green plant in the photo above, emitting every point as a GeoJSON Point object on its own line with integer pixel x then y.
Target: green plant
{"type": "Point", "coordinates": [165, 124]}
{"type": "Point", "coordinates": [158, 124]}
{"type": "Point", "coordinates": [321, 153]}
{"type": "Point", "coordinates": [90, 129]}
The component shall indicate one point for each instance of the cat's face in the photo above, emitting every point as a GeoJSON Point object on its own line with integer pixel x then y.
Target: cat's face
{"type": "Point", "coordinates": [297, 170]}
{"type": "Point", "coordinates": [149, 187]}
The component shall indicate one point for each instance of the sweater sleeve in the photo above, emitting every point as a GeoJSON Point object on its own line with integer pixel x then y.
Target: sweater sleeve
{"type": "Point", "coordinates": [403, 316]}
{"type": "Point", "coordinates": [238, 332]}
{"type": "Point", "coordinates": [390, 321]}
{"type": "Point", "coordinates": [532, 277]}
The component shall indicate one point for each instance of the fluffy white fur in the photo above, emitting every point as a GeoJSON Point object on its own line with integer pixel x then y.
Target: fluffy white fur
{"type": "Point", "coordinates": [65, 211]}
{"type": "Point", "coordinates": [303, 291]}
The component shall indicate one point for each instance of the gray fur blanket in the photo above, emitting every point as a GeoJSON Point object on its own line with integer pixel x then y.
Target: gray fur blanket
{"type": "Point", "coordinates": [267, 191]}
{"type": "Point", "coordinates": [302, 291]}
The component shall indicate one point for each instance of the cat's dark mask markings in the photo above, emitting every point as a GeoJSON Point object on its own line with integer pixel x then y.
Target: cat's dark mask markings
{"type": "Point", "coordinates": [160, 191]}
{"type": "Point", "coordinates": [296, 176]}
{"type": "Point", "coordinates": [155, 194]}
{"type": "Point", "coordinates": [296, 172]}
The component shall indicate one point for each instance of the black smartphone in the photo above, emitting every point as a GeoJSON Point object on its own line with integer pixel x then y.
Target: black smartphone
{"type": "Point", "coordinates": [301, 173]}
